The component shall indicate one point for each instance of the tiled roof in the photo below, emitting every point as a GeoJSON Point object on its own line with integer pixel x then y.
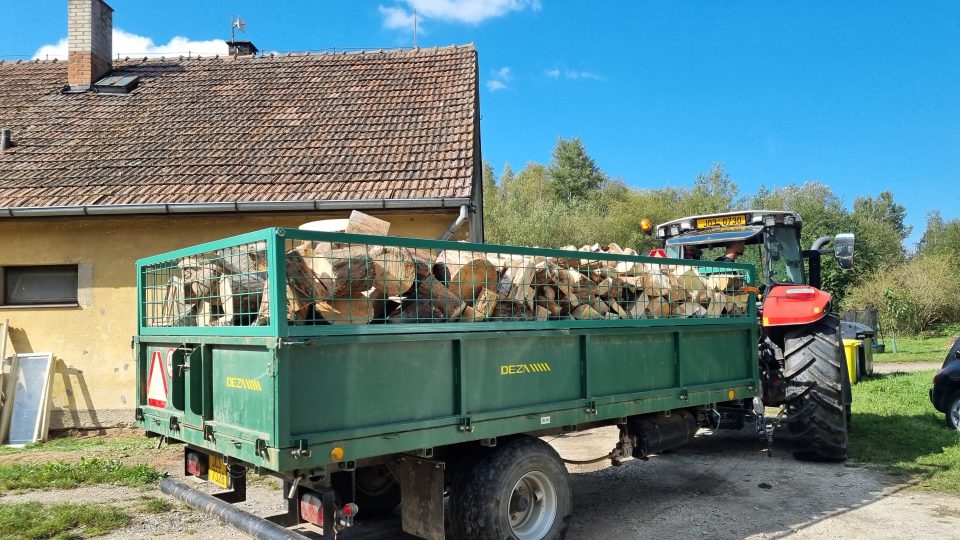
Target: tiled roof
{"type": "Point", "coordinates": [380, 125]}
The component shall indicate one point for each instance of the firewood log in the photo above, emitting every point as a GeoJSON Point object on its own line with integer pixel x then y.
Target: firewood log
{"type": "Point", "coordinates": [725, 282]}
{"type": "Point", "coordinates": [718, 302]}
{"type": "Point", "coordinates": [466, 272]}
{"type": "Point", "coordinates": [659, 308]}
{"type": "Point", "coordinates": [600, 306]}
{"type": "Point", "coordinates": [443, 299]}
{"type": "Point", "coordinates": [345, 272]}
{"type": "Point", "coordinates": [346, 310]}
{"type": "Point", "coordinates": [510, 310]}
{"type": "Point", "coordinates": [692, 309]}
{"type": "Point", "coordinates": [640, 308]}
{"type": "Point", "coordinates": [618, 309]}
{"type": "Point", "coordinates": [200, 278]}
{"type": "Point", "coordinates": [416, 311]}
{"type": "Point", "coordinates": [689, 280]}
{"type": "Point", "coordinates": [360, 223]}
{"type": "Point", "coordinates": [585, 311]}
{"type": "Point", "coordinates": [486, 302]}
{"type": "Point", "coordinates": [395, 269]}
{"type": "Point", "coordinates": [656, 284]}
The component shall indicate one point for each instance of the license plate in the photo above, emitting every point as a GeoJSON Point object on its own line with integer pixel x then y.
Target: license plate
{"type": "Point", "coordinates": [218, 473]}
{"type": "Point", "coordinates": [721, 221]}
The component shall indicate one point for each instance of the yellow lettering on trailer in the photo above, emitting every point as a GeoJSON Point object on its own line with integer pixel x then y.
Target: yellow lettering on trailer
{"type": "Point", "coordinates": [244, 384]}
{"type": "Point", "coordinates": [517, 369]}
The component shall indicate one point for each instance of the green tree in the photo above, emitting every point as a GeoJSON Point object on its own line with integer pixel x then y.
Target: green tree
{"type": "Point", "coordinates": [574, 174]}
{"type": "Point", "coordinates": [940, 236]}
{"type": "Point", "coordinates": [913, 297]}
{"type": "Point", "coordinates": [883, 209]}
{"type": "Point", "coordinates": [713, 192]}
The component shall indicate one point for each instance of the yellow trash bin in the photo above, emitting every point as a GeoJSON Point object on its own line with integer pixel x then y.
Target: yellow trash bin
{"type": "Point", "coordinates": [851, 349]}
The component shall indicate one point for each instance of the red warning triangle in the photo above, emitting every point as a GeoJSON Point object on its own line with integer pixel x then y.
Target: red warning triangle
{"type": "Point", "coordinates": [156, 383]}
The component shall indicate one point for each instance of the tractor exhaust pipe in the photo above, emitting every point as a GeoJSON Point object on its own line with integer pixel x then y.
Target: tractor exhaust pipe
{"type": "Point", "coordinates": [820, 242]}
{"type": "Point", "coordinates": [245, 522]}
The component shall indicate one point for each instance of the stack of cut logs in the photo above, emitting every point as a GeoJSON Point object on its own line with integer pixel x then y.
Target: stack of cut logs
{"type": "Point", "coordinates": [329, 283]}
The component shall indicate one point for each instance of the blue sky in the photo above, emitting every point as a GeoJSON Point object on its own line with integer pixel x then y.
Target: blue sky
{"type": "Point", "coordinates": [863, 96]}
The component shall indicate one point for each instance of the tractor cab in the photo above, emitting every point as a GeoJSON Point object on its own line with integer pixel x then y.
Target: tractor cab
{"type": "Point", "coordinates": [791, 288]}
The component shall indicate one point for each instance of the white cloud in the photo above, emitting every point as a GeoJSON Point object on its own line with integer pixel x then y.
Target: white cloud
{"type": "Point", "coordinates": [396, 18]}
{"type": "Point", "coordinates": [573, 74]}
{"type": "Point", "coordinates": [462, 11]}
{"type": "Point", "coordinates": [128, 44]}
{"type": "Point", "coordinates": [499, 79]}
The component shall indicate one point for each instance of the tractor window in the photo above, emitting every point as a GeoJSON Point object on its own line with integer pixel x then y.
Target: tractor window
{"type": "Point", "coordinates": [783, 255]}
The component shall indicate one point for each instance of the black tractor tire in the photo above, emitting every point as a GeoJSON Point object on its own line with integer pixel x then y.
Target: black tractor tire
{"type": "Point", "coordinates": [517, 489]}
{"type": "Point", "coordinates": [377, 491]}
{"type": "Point", "coordinates": [818, 391]}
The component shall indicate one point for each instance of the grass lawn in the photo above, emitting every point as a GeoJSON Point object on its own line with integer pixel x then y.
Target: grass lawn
{"type": "Point", "coordinates": [63, 475]}
{"type": "Point", "coordinates": [33, 520]}
{"type": "Point", "coordinates": [895, 425]}
{"type": "Point", "coordinates": [916, 350]}
{"type": "Point", "coordinates": [84, 444]}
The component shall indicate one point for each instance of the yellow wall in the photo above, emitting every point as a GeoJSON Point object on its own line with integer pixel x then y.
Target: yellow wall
{"type": "Point", "coordinates": [94, 383]}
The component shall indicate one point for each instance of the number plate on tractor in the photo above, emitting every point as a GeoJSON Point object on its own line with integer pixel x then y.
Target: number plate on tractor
{"type": "Point", "coordinates": [218, 473]}
{"type": "Point", "coordinates": [721, 221]}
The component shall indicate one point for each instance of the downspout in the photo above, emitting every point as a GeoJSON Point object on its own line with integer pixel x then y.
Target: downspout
{"type": "Point", "coordinates": [461, 219]}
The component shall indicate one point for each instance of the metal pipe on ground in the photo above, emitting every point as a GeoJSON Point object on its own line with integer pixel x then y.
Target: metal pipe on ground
{"type": "Point", "coordinates": [245, 522]}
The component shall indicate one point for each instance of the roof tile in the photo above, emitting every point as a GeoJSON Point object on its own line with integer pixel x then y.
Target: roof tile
{"type": "Point", "coordinates": [393, 124]}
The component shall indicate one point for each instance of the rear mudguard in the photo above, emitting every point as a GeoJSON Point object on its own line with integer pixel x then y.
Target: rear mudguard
{"type": "Point", "coordinates": [804, 305]}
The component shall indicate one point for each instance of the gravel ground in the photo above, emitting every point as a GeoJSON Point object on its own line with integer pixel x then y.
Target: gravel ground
{"type": "Point", "coordinates": [905, 367]}
{"type": "Point", "coordinates": [719, 486]}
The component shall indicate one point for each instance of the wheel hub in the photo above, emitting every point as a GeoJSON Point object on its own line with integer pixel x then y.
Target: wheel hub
{"type": "Point", "coordinates": [533, 506]}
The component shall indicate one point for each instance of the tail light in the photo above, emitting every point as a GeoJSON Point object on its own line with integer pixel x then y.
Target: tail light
{"type": "Point", "coordinates": [801, 293]}
{"type": "Point", "coordinates": [311, 509]}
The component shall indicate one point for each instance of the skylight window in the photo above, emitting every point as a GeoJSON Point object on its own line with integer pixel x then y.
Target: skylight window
{"type": "Point", "coordinates": [117, 84]}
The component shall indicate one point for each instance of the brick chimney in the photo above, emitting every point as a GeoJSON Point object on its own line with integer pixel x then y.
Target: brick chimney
{"type": "Point", "coordinates": [90, 42]}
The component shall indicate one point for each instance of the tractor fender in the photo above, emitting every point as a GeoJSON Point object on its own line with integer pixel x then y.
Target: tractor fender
{"type": "Point", "coordinates": [788, 305]}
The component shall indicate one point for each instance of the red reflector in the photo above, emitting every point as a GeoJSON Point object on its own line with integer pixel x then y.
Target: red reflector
{"type": "Point", "coordinates": [350, 510]}
{"type": "Point", "coordinates": [195, 465]}
{"type": "Point", "coordinates": [801, 293]}
{"type": "Point", "coordinates": [311, 509]}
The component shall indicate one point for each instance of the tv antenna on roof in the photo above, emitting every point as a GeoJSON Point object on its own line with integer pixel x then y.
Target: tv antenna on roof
{"type": "Point", "coordinates": [237, 23]}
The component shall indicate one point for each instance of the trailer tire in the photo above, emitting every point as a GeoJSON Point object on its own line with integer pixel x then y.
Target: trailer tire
{"type": "Point", "coordinates": [518, 490]}
{"type": "Point", "coordinates": [377, 491]}
{"type": "Point", "coordinates": [818, 391]}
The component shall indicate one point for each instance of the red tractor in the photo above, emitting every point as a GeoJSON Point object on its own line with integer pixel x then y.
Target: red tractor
{"type": "Point", "coordinates": [802, 366]}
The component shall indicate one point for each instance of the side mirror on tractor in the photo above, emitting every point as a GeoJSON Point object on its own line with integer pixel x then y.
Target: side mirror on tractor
{"type": "Point", "coordinates": [843, 250]}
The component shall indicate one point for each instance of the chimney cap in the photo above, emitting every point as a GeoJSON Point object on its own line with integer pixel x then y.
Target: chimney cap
{"type": "Point", "coordinates": [242, 48]}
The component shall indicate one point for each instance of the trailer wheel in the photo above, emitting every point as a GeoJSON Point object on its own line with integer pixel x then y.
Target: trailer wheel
{"type": "Point", "coordinates": [818, 391]}
{"type": "Point", "coordinates": [377, 491]}
{"type": "Point", "coordinates": [515, 490]}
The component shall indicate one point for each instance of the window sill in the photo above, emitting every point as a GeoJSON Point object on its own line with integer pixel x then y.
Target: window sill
{"type": "Point", "coordinates": [36, 306]}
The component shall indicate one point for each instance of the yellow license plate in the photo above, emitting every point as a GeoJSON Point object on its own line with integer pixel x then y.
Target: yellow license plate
{"type": "Point", "coordinates": [218, 473]}
{"type": "Point", "coordinates": [722, 221]}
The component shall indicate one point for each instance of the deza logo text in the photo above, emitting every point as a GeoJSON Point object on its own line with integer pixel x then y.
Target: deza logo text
{"type": "Point", "coordinates": [244, 384]}
{"type": "Point", "coordinates": [517, 369]}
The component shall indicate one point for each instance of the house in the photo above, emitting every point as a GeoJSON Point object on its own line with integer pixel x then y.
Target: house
{"type": "Point", "coordinates": [105, 160]}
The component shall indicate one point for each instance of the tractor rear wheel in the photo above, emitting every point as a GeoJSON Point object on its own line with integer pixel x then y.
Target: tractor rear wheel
{"type": "Point", "coordinates": [818, 391]}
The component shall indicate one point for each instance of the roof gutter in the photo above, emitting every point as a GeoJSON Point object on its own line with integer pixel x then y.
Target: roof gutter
{"type": "Point", "coordinates": [232, 207]}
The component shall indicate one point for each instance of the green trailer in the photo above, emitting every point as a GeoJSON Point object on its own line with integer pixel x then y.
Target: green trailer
{"type": "Point", "coordinates": [409, 406]}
